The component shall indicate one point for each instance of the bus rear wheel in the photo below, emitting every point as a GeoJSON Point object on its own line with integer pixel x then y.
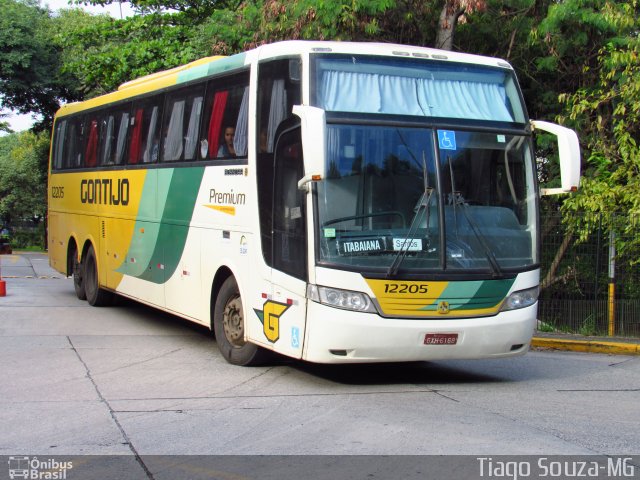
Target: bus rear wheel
{"type": "Point", "coordinates": [78, 276]}
{"type": "Point", "coordinates": [96, 296]}
{"type": "Point", "coordinates": [228, 326]}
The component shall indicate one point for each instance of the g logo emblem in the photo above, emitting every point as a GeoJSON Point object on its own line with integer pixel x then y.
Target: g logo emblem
{"type": "Point", "coordinates": [443, 307]}
{"type": "Point", "coordinates": [270, 318]}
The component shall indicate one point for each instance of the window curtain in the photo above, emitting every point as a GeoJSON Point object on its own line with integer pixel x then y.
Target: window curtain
{"type": "Point", "coordinates": [191, 140]}
{"type": "Point", "coordinates": [277, 111]}
{"type": "Point", "coordinates": [136, 135]}
{"type": "Point", "coordinates": [151, 150]}
{"type": "Point", "coordinates": [105, 158]}
{"type": "Point", "coordinates": [393, 94]}
{"type": "Point", "coordinates": [122, 137]}
{"type": "Point", "coordinates": [173, 141]}
{"type": "Point", "coordinates": [242, 126]}
{"type": "Point", "coordinates": [92, 145]}
{"type": "Point", "coordinates": [215, 122]}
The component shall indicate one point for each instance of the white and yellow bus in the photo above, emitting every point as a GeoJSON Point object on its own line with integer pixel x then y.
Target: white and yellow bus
{"type": "Point", "coordinates": [329, 201]}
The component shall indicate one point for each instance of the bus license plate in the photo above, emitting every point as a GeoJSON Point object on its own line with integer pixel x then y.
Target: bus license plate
{"type": "Point", "coordinates": [441, 339]}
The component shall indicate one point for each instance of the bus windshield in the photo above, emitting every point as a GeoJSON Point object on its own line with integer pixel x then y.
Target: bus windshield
{"type": "Point", "coordinates": [411, 199]}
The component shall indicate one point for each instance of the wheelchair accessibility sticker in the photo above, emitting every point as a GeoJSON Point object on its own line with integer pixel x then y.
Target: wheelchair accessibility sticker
{"type": "Point", "coordinates": [447, 139]}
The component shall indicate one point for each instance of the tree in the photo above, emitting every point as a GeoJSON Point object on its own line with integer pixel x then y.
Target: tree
{"type": "Point", "coordinates": [196, 10]}
{"type": "Point", "coordinates": [607, 113]}
{"type": "Point", "coordinates": [399, 21]}
{"type": "Point", "coordinates": [23, 185]}
{"type": "Point", "coordinates": [103, 52]}
{"type": "Point", "coordinates": [31, 78]}
{"type": "Point", "coordinates": [4, 125]}
{"type": "Point", "coordinates": [452, 12]}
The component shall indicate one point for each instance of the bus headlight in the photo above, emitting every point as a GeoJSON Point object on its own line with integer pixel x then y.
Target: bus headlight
{"type": "Point", "coordinates": [338, 298]}
{"type": "Point", "coordinates": [521, 299]}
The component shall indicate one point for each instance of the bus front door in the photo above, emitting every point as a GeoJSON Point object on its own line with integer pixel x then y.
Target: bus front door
{"type": "Point", "coordinates": [289, 255]}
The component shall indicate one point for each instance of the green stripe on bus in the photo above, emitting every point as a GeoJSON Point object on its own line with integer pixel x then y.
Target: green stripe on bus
{"type": "Point", "coordinates": [216, 66]}
{"type": "Point", "coordinates": [488, 295]}
{"type": "Point", "coordinates": [145, 235]}
{"type": "Point", "coordinates": [473, 295]}
{"type": "Point", "coordinates": [174, 227]}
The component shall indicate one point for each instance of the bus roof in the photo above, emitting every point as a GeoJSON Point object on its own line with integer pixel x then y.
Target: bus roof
{"type": "Point", "coordinates": [219, 64]}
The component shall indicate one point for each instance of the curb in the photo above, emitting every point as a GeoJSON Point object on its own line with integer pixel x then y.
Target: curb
{"type": "Point", "coordinates": [591, 346]}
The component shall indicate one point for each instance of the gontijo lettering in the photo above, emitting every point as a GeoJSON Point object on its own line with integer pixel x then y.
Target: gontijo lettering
{"type": "Point", "coordinates": [105, 191]}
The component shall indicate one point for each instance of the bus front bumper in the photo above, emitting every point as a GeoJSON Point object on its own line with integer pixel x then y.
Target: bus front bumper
{"type": "Point", "coordinates": [339, 336]}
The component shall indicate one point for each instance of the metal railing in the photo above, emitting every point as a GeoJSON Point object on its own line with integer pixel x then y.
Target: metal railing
{"type": "Point", "coordinates": [588, 286]}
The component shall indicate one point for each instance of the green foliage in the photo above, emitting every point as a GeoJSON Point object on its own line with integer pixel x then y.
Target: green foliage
{"type": "Point", "coordinates": [263, 21]}
{"type": "Point", "coordinates": [577, 61]}
{"type": "Point", "coordinates": [103, 52]}
{"type": "Point", "coordinates": [196, 10]}
{"type": "Point", "coordinates": [607, 115]}
{"type": "Point", "coordinates": [23, 184]}
{"type": "Point", "coordinates": [31, 238]}
{"type": "Point", "coordinates": [31, 79]}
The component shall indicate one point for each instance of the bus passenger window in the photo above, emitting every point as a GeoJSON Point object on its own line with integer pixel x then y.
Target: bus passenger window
{"type": "Point", "coordinates": [182, 120]}
{"type": "Point", "coordinates": [278, 91]}
{"type": "Point", "coordinates": [58, 144]}
{"type": "Point", "coordinates": [113, 127]}
{"type": "Point", "coordinates": [74, 142]}
{"type": "Point", "coordinates": [144, 141]}
{"type": "Point", "coordinates": [224, 130]}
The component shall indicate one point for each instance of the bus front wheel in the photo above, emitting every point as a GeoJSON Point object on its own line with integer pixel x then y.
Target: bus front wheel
{"type": "Point", "coordinates": [96, 296]}
{"type": "Point", "coordinates": [229, 324]}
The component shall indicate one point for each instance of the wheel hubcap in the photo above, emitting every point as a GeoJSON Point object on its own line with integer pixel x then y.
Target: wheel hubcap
{"type": "Point", "coordinates": [233, 322]}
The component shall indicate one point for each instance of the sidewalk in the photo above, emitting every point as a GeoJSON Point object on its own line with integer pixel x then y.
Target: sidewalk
{"type": "Point", "coordinates": [580, 343]}
{"type": "Point", "coordinates": [27, 265]}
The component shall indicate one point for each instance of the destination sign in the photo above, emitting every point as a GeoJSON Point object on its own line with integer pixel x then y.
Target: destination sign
{"type": "Point", "coordinates": [361, 245]}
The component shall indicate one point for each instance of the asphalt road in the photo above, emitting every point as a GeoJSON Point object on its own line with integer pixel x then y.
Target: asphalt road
{"type": "Point", "coordinates": [129, 380]}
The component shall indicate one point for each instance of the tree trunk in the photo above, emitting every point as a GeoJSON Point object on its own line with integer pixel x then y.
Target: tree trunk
{"type": "Point", "coordinates": [551, 278]}
{"type": "Point", "coordinates": [449, 16]}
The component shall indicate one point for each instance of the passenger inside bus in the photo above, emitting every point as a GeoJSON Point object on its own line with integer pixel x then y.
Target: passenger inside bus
{"type": "Point", "coordinates": [227, 149]}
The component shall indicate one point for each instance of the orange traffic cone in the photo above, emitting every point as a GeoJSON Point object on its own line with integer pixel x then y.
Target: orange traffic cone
{"type": "Point", "coordinates": [3, 284]}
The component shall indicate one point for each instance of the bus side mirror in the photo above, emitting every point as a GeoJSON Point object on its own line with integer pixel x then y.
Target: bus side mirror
{"type": "Point", "coordinates": [314, 133]}
{"type": "Point", "coordinates": [569, 152]}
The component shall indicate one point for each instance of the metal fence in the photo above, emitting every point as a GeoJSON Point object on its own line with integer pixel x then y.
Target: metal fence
{"type": "Point", "coordinates": [578, 294]}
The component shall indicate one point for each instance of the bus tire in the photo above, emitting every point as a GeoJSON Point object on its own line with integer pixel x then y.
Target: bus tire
{"type": "Point", "coordinates": [77, 272]}
{"type": "Point", "coordinates": [96, 296]}
{"type": "Point", "coordinates": [228, 326]}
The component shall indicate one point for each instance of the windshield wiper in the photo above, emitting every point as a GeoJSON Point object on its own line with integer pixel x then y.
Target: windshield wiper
{"type": "Point", "coordinates": [457, 199]}
{"type": "Point", "coordinates": [423, 205]}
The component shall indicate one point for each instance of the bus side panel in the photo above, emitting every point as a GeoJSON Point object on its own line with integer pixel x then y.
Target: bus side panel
{"type": "Point", "coordinates": [121, 203]}
{"type": "Point", "coordinates": [71, 215]}
{"type": "Point", "coordinates": [117, 230]}
{"type": "Point", "coordinates": [183, 291]}
{"type": "Point", "coordinates": [56, 244]}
